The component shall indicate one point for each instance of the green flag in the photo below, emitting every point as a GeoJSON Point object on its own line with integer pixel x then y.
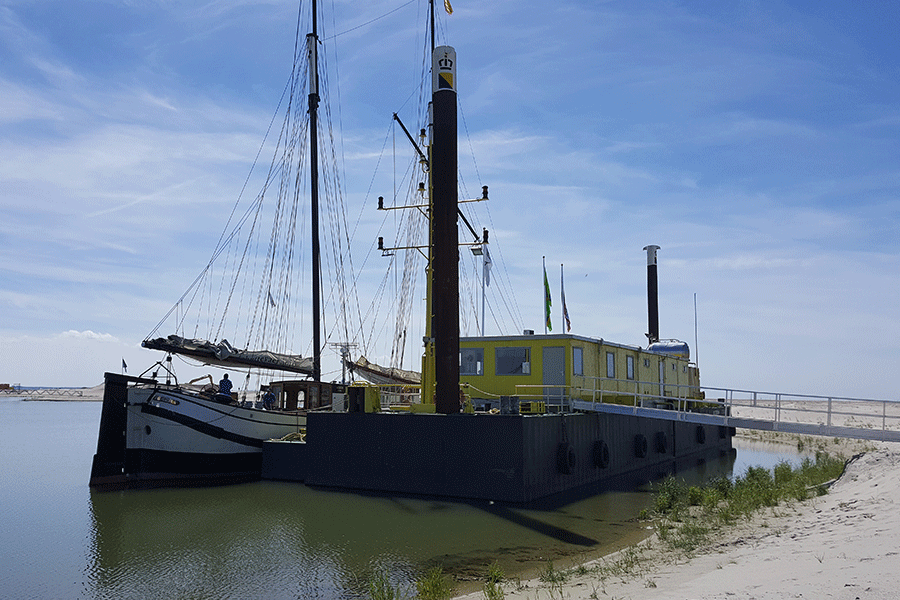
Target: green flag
{"type": "Point", "coordinates": [547, 300]}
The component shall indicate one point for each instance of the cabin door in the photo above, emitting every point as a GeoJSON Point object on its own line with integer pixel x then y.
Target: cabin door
{"type": "Point", "coordinates": [662, 378]}
{"type": "Point", "coordinates": [554, 373]}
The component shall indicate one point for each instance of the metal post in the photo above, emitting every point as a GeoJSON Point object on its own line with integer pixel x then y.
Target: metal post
{"type": "Point", "coordinates": [483, 280]}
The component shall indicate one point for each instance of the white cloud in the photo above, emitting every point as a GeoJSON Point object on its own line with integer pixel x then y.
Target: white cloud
{"type": "Point", "coordinates": [757, 147]}
{"type": "Point", "coordinates": [88, 335]}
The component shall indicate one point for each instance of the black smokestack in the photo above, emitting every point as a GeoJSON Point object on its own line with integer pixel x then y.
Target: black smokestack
{"type": "Point", "coordinates": [652, 295]}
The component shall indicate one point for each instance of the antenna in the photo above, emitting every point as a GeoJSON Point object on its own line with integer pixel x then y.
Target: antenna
{"type": "Point", "coordinates": [696, 347]}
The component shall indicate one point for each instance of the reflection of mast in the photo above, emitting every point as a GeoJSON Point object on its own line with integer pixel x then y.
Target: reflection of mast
{"type": "Point", "coordinates": [312, 41]}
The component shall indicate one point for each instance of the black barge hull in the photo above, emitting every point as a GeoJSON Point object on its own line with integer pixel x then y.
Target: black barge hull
{"type": "Point", "coordinates": [505, 458]}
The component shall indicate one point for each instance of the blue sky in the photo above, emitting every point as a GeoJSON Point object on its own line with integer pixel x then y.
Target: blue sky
{"type": "Point", "coordinates": [756, 143]}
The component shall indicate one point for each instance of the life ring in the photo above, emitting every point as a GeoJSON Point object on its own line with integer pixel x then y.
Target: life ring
{"type": "Point", "coordinates": [661, 443]}
{"type": "Point", "coordinates": [640, 445]}
{"type": "Point", "coordinates": [701, 434]}
{"type": "Point", "coordinates": [600, 453]}
{"type": "Point", "coordinates": [565, 458]}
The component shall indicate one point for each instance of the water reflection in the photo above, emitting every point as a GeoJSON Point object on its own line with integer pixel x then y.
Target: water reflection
{"type": "Point", "coordinates": [268, 539]}
{"type": "Point", "coordinates": [288, 541]}
{"type": "Point", "coordinates": [284, 540]}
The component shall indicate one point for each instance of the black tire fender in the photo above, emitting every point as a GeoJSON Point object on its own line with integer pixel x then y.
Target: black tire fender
{"type": "Point", "coordinates": [661, 443]}
{"type": "Point", "coordinates": [640, 445]}
{"type": "Point", "coordinates": [565, 458]}
{"type": "Point", "coordinates": [600, 454]}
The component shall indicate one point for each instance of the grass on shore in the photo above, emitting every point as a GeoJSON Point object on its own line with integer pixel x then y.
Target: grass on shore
{"type": "Point", "coordinates": [686, 516]}
{"type": "Point", "coordinates": [433, 585]}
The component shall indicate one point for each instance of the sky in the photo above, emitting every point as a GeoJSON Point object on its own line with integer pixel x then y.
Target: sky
{"type": "Point", "coordinates": [755, 142]}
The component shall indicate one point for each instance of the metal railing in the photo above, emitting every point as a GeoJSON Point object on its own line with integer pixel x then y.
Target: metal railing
{"type": "Point", "coordinates": [831, 413]}
{"type": "Point", "coordinates": [392, 395]}
{"type": "Point", "coordinates": [556, 397]}
{"type": "Point", "coordinates": [598, 389]}
{"type": "Point", "coordinates": [837, 416]}
{"type": "Point", "coordinates": [606, 389]}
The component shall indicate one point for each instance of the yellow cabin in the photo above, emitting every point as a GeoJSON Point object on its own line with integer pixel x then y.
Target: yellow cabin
{"type": "Point", "coordinates": [558, 368]}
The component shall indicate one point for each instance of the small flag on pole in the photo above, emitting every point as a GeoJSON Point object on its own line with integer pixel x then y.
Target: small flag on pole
{"type": "Point", "coordinates": [562, 289]}
{"type": "Point", "coordinates": [547, 300]}
{"type": "Point", "coordinates": [447, 7]}
{"type": "Point", "coordinates": [271, 299]}
{"type": "Point", "coordinates": [124, 366]}
{"type": "Point", "coordinates": [487, 267]}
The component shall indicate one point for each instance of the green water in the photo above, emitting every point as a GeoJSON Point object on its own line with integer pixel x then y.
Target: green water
{"type": "Point", "coordinates": [261, 540]}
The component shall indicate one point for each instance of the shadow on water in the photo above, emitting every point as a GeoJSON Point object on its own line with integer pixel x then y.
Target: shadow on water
{"type": "Point", "coordinates": [286, 540]}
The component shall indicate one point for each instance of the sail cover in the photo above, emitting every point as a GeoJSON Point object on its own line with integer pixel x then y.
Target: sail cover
{"type": "Point", "coordinates": [224, 354]}
{"type": "Point", "coordinates": [382, 375]}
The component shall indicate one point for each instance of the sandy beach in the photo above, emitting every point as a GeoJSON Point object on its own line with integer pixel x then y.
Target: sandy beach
{"type": "Point", "coordinates": [843, 545]}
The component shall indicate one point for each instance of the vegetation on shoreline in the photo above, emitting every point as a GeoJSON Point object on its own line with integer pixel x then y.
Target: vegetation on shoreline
{"type": "Point", "coordinates": [433, 585]}
{"type": "Point", "coordinates": [686, 517]}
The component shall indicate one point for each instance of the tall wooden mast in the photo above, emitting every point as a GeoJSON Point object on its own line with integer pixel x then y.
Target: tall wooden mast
{"type": "Point", "coordinates": [445, 207]}
{"type": "Point", "coordinates": [312, 41]}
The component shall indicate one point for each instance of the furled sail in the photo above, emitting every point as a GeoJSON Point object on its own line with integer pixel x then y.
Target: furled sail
{"type": "Point", "coordinates": [224, 354]}
{"type": "Point", "coordinates": [382, 375]}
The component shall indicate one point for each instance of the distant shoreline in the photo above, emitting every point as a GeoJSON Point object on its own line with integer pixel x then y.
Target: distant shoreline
{"type": "Point", "coordinates": [81, 394]}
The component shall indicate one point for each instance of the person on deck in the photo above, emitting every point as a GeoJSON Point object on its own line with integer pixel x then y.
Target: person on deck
{"type": "Point", "coordinates": [225, 386]}
{"type": "Point", "coordinates": [269, 400]}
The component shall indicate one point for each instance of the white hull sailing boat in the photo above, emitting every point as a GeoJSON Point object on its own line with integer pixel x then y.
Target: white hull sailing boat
{"type": "Point", "coordinates": [155, 433]}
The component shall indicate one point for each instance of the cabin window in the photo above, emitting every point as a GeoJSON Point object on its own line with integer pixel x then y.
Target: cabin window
{"type": "Point", "coordinates": [471, 361]}
{"type": "Point", "coordinates": [610, 365]}
{"type": "Point", "coordinates": [647, 362]}
{"type": "Point", "coordinates": [577, 361]}
{"type": "Point", "coordinates": [512, 361]}
{"type": "Point", "coordinates": [629, 367]}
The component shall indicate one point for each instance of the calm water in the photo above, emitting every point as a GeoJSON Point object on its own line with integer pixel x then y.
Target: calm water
{"type": "Point", "coordinates": [273, 540]}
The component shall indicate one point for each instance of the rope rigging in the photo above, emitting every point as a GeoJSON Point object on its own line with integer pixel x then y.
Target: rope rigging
{"type": "Point", "coordinates": [252, 291]}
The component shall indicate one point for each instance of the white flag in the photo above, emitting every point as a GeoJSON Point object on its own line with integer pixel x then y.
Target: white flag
{"type": "Point", "coordinates": [487, 267]}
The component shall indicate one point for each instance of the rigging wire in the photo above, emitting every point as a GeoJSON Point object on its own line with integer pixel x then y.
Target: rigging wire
{"type": "Point", "coordinates": [360, 26]}
{"type": "Point", "coordinates": [278, 292]}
